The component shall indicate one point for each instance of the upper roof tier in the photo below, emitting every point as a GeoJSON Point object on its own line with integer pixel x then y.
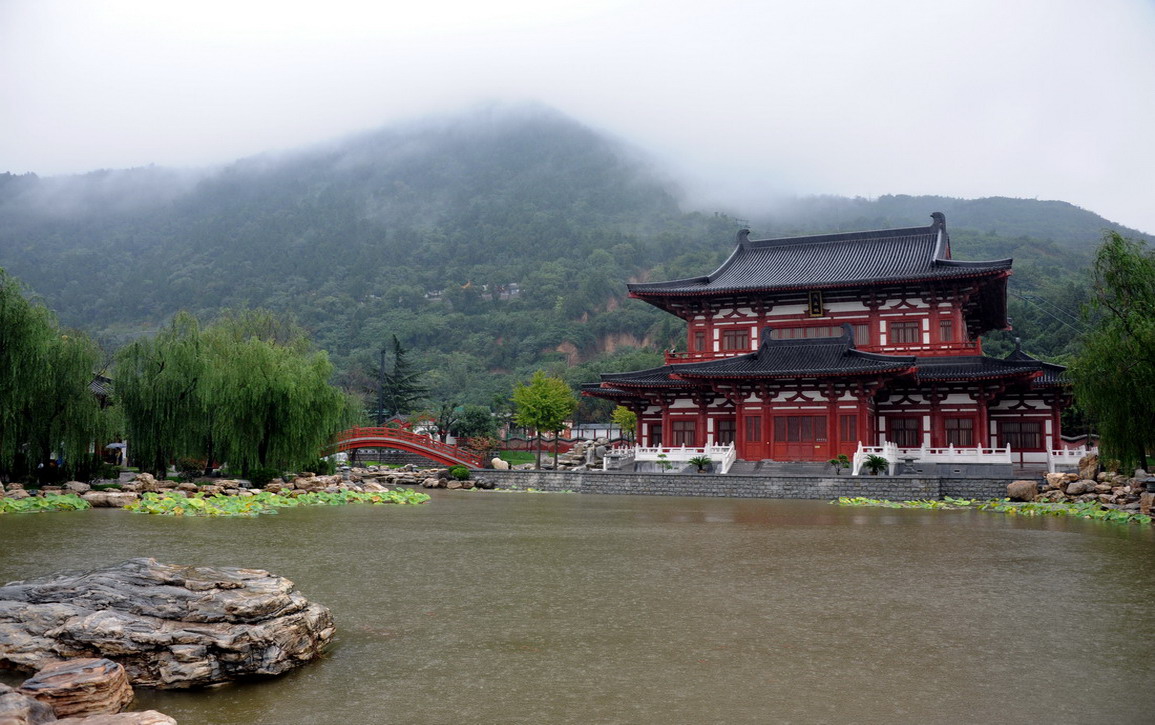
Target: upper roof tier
{"type": "Point", "coordinates": [826, 261]}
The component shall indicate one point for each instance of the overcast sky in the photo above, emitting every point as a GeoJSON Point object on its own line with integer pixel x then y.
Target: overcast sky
{"type": "Point", "coordinates": [1048, 99]}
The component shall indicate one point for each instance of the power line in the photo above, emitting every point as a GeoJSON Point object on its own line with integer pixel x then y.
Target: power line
{"type": "Point", "coordinates": [1034, 302]}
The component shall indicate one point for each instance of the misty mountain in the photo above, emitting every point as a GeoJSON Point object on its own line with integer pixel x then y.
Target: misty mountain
{"type": "Point", "coordinates": [490, 243]}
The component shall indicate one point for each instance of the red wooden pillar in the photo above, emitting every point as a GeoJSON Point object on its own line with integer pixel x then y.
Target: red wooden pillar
{"type": "Point", "coordinates": [700, 433]}
{"type": "Point", "coordinates": [665, 422]}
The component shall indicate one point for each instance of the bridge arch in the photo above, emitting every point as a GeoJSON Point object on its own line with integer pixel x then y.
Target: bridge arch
{"type": "Point", "coordinates": [422, 445]}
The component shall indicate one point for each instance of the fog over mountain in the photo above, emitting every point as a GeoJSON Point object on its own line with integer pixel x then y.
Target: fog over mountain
{"type": "Point", "coordinates": [492, 243]}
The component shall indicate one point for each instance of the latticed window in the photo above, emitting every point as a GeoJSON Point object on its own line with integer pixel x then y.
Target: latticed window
{"type": "Point", "coordinates": [904, 432]}
{"type": "Point", "coordinates": [736, 339]}
{"type": "Point", "coordinates": [726, 430]}
{"type": "Point", "coordinates": [861, 333]}
{"type": "Point", "coordinates": [684, 432]}
{"type": "Point", "coordinates": [848, 428]}
{"type": "Point", "coordinates": [1021, 435]}
{"type": "Point", "coordinates": [960, 432]}
{"type": "Point", "coordinates": [753, 428]}
{"type": "Point", "coordinates": [700, 341]}
{"type": "Point", "coordinates": [946, 330]}
{"type": "Point", "coordinates": [904, 332]}
{"type": "Point", "coordinates": [656, 434]}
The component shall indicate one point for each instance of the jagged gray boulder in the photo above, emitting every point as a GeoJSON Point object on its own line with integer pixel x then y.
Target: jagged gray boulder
{"type": "Point", "coordinates": [169, 626]}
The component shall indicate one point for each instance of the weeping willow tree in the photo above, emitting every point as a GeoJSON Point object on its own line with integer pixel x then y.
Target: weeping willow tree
{"type": "Point", "coordinates": [1114, 372]}
{"type": "Point", "coordinates": [268, 391]}
{"type": "Point", "coordinates": [249, 390]}
{"type": "Point", "coordinates": [159, 388]}
{"type": "Point", "coordinates": [47, 409]}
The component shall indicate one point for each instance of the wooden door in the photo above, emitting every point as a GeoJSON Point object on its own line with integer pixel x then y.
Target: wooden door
{"type": "Point", "coordinates": [800, 438]}
{"type": "Point", "coordinates": [754, 446]}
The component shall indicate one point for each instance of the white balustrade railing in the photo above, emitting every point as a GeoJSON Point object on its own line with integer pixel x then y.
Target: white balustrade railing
{"type": "Point", "coordinates": [950, 454]}
{"type": "Point", "coordinates": [1067, 457]}
{"type": "Point", "coordinates": [887, 450]}
{"type": "Point", "coordinates": [722, 457]}
{"type": "Point", "coordinates": [926, 454]}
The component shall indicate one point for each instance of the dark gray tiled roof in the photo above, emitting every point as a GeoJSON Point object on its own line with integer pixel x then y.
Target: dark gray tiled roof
{"type": "Point", "coordinates": [101, 386]}
{"type": "Point", "coordinates": [973, 367]}
{"type": "Point", "coordinates": [653, 377]}
{"type": "Point", "coordinates": [831, 260]}
{"type": "Point", "coordinates": [1053, 375]}
{"type": "Point", "coordinates": [829, 357]}
{"type": "Point", "coordinates": [799, 358]}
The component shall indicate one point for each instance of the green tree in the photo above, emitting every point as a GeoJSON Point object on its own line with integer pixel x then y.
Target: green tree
{"type": "Point", "coordinates": [249, 389]}
{"type": "Point", "coordinates": [475, 421]}
{"type": "Point", "coordinates": [1114, 373]}
{"type": "Point", "coordinates": [402, 388]}
{"type": "Point", "coordinates": [543, 405]}
{"type": "Point", "coordinates": [625, 419]}
{"type": "Point", "coordinates": [46, 405]}
{"type": "Point", "coordinates": [159, 389]}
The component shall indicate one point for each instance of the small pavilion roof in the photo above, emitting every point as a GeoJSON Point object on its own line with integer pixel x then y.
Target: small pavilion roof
{"type": "Point", "coordinates": [846, 259]}
{"type": "Point", "coordinates": [1053, 375]}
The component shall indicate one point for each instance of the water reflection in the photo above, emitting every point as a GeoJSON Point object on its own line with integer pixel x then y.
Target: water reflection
{"type": "Point", "coordinates": [485, 608]}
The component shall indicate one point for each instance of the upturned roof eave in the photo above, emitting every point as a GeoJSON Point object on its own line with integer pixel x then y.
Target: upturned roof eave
{"type": "Point", "coordinates": [799, 374]}
{"type": "Point", "coordinates": [873, 282]}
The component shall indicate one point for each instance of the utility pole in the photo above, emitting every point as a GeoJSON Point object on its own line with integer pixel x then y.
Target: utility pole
{"type": "Point", "coordinates": [381, 390]}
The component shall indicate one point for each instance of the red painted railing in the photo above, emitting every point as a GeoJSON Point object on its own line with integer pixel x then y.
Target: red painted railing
{"type": "Point", "coordinates": [385, 437]}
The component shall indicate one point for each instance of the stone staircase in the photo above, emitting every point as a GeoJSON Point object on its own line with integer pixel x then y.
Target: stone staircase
{"type": "Point", "coordinates": [781, 468]}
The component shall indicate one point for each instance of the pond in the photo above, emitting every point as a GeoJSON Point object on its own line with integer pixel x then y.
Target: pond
{"type": "Point", "coordinates": [483, 607]}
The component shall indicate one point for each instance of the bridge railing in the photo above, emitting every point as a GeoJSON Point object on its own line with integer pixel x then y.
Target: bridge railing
{"type": "Point", "coordinates": [379, 437]}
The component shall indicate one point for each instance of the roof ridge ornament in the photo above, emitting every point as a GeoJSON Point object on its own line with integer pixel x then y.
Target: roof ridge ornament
{"type": "Point", "coordinates": [743, 237]}
{"type": "Point", "coordinates": [939, 220]}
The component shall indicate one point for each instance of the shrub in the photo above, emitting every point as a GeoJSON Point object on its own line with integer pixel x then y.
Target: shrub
{"type": "Point", "coordinates": [260, 477]}
{"type": "Point", "coordinates": [461, 473]}
{"type": "Point", "coordinates": [321, 466]}
{"type": "Point", "coordinates": [700, 461]}
{"type": "Point", "coordinates": [189, 468]}
{"type": "Point", "coordinates": [876, 464]}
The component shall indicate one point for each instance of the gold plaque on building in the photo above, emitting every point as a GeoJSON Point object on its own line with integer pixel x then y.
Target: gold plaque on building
{"type": "Point", "coordinates": [815, 304]}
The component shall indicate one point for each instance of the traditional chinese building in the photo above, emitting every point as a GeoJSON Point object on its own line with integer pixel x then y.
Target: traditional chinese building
{"type": "Point", "coordinates": [800, 348]}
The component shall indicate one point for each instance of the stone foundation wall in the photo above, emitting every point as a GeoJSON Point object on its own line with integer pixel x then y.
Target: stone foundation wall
{"type": "Point", "coordinates": [896, 488]}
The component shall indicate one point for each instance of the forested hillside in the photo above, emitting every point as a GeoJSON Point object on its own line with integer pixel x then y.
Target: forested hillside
{"type": "Point", "coordinates": [489, 244]}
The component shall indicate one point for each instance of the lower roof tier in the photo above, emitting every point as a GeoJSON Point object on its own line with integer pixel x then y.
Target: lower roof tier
{"type": "Point", "coordinates": [833, 358]}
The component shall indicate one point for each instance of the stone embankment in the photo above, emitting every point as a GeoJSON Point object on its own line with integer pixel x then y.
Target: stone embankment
{"type": "Point", "coordinates": [1111, 490]}
{"type": "Point", "coordinates": [372, 478]}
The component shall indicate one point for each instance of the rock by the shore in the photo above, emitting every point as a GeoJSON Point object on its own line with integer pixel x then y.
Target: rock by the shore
{"type": "Point", "coordinates": [169, 626]}
{"type": "Point", "coordinates": [18, 709]}
{"type": "Point", "coordinates": [110, 499]}
{"type": "Point", "coordinates": [86, 686]}
{"type": "Point", "coordinates": [147, 717]}
{"type": "Point", "coordinates": [1022, 490]}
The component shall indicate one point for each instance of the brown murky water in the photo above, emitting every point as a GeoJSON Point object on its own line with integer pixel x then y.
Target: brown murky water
{"type": "Point", "coordinates": [520, 608]}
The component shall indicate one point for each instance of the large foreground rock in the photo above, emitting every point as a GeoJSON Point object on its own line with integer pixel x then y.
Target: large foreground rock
{"type": "Point", "coordinates": [85, 686]}
{"type": "Point", "coordinates": [169, 626]}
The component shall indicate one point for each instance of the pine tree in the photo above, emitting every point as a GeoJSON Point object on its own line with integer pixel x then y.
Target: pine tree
{"type": "Point", "coordinates": [400, 389]}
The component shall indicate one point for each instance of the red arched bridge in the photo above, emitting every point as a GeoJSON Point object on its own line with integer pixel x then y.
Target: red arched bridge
{"type": "Point", "coordinates": [422, 445]}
